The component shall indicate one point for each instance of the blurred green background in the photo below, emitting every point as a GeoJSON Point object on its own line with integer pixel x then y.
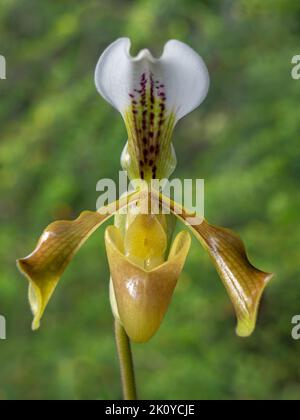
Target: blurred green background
{"type": "Point", "coordinates": [58, 138]}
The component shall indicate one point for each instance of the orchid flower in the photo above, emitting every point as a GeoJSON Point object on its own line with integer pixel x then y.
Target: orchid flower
{"type": "Point", "coordinates": [151, 94]}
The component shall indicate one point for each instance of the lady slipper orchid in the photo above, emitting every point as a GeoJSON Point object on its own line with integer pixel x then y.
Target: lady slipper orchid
{"type": "Point", "coordinates": [152, 94]}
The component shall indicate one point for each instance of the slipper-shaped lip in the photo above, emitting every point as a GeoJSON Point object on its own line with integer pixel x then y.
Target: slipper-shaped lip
{"type": "Point", "coordinates": [143, 296]}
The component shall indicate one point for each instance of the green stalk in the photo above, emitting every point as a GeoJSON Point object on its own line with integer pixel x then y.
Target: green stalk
{"type": "Point", "coordinates": [126, 363]}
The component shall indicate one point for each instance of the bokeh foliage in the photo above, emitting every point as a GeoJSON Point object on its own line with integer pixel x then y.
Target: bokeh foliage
{"type": "Point", "coordinates": [58, 138]}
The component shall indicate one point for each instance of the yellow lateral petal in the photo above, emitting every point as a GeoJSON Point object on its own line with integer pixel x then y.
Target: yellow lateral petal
{"type": "Point", "coordinates": [143, 296]}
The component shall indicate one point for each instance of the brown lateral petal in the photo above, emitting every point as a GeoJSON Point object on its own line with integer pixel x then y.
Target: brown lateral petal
{"type": "Point", "coordinates": [244, 283]}
{"type": "Point", "coordinates": [143, 296]}
{"type": "Point", "coordinates": [57, 246]}
{"type": "Point", "coordinates": [54, 251]}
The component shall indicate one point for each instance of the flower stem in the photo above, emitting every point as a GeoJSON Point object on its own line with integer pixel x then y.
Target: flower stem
{"type": "Point", "coordinates": [126, 363]}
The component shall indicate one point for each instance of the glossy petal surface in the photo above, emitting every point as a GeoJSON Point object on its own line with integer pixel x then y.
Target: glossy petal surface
{"type": "Point", "coordinates": [143, 296]}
